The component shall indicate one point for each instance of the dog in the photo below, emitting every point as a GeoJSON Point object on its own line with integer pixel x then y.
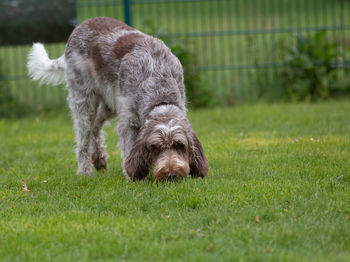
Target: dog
{"type": "Point", "coordinates": [113, 70]}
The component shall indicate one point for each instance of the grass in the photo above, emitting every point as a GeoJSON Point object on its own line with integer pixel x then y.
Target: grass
{"type": "Point", "coordinates": [278, 189]}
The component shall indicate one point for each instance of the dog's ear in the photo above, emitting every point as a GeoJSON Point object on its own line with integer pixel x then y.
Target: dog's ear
{"type": "Point", "coordinates": [136, 166]}
{"type": "Point", "coordinates": [198, 161]}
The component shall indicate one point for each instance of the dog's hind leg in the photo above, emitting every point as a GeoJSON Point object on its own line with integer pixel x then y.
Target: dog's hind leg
{"type": "Point", "coordinates": [99, 154]}
{"type": "Point", "coordinates": [83, 105]}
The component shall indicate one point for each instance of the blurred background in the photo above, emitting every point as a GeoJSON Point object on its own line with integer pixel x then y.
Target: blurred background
{"type": "Point", "coordinates": [233, 51]}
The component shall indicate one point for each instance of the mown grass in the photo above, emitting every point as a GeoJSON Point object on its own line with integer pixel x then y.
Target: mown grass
{"type": "Point", "coordinates": [287, 164]}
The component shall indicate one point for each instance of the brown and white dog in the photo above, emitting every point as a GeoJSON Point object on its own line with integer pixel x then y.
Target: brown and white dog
{"type": "Point", "coordinates": [113, 70]}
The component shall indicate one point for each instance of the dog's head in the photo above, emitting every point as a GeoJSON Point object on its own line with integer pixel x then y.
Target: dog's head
{"type": "Point", "coordinates": [169, 148]}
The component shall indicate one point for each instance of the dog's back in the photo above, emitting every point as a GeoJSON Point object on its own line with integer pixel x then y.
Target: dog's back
{"type": "Point", "coordinates": [94, 47]}
{"type": "Point", "coordinates": [118, 60]}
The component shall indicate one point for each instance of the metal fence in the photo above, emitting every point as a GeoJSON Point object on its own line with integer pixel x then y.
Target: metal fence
{"type": "Point", "coordinates": [237, 43]}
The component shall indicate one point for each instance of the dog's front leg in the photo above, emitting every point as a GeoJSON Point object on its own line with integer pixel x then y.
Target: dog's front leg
{"type": "Point", "coordinates": [127, 135]}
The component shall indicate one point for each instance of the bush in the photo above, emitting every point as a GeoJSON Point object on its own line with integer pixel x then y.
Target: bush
{"type": "Point", "coordinates": [311, 70]}
{"type": "Point", "coordinates": [198, 94]}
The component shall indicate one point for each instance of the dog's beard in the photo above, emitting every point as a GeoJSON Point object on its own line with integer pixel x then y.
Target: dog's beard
{"type": "Point", "coordinates": [170, 165]}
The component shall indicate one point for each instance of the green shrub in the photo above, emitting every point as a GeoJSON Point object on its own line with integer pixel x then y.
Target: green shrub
{"type": "Point", "coordinates": [197, 92]}
{"type": "Point", "coordinates": [311, 70]}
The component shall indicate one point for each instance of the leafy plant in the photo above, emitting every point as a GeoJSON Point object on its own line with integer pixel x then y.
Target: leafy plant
{"type": "Point", "coordinates": [311, 70]}
{"type": "Point", "coordinates": [197, 92]}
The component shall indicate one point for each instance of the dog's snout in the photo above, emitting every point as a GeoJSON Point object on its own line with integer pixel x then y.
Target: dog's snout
{"type": "Point", "coordinates": [170, 166]}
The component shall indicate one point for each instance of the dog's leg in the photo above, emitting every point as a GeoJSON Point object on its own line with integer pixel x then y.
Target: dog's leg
{"type": "Point", "coordinates": [99, 154]}
{"type": "Point", "coordinates": [127, 135]}
{"type": "Point", "coordinates": [83, 106]}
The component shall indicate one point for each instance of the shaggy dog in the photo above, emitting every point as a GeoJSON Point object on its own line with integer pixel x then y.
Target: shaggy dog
{"type": "Point", "coordinates": [111, 70]}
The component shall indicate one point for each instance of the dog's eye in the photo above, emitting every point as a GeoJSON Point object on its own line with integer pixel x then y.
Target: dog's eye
{"type": "Point", "coordinates": [154, 147]}
{"type": "Point", "coordinates": [179, 146]}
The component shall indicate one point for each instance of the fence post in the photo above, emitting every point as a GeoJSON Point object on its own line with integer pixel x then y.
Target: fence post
{"type": "Point", "coordinates": [127, 12]}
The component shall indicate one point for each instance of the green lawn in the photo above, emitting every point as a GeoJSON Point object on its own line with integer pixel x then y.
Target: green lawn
{"type": "Point", "coordinates": [287, 164]}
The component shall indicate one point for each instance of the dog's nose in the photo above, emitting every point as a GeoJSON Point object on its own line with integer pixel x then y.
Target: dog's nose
{"type": "Point", "coordinates": [172, 175]}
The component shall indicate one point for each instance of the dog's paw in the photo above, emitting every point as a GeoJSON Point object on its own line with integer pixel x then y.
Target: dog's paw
{"type": "Point", "coordinates": [84, 172]}
{"type": "Point", "coordinates": [100, 161]}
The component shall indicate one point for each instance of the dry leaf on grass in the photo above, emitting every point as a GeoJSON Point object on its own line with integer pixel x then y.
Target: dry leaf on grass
{"type": "Point", "coordinates": [286, 210]}
{"type": "Point", "coordinates": [25, 187]}
{"type": "Point", "coordinates": [267, 250]}
{"type": "Point", "coordinates": [257, 219]}
{"type": "Point", "coordinates": [211, 246]}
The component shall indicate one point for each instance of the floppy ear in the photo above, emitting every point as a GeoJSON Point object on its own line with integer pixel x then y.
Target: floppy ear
{"type": "Point", "coordinates": [198, 161]}
{"type": "Point", "coordinates": [135, 164]}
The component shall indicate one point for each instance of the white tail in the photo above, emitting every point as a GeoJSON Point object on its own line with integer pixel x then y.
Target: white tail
{"type": "Point", "coordinates": [41, 67]}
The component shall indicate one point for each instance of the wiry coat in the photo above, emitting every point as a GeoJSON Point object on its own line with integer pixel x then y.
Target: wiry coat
{"type": "Point", "coordinates": [112, 69]}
